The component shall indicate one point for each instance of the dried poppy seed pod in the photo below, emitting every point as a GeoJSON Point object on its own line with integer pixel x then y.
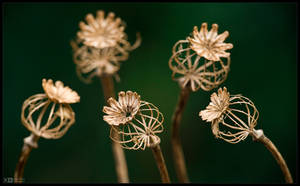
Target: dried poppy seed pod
{"type": "Point", "coordinates": [103, 32]}
{"type": "Point", "coordinates": [209, 44]}
{"type": "Point", "coordinates": [194, 71]}
{"type": "Point", "coordinates": [137, 122]}
{"type": "Point", "coordinates": [100, 46]}
{"type": "Point", "coordinates": [233, 117]}
{"type": "Point", "coordinates": [142, 130]}
{"type": "Point", "coordinates": [239, 116]}
{"type": "Point", "coordinates": [55, 102]}
{"type": "Point", "coordinates": [91, 62]}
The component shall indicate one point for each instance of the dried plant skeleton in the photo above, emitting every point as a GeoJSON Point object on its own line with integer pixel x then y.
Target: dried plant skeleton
{"type": "Point", "coordinates": [137, 124]}
{"type": "Point", "coordinates": [100, 46]}
{"type": "Point", "coordinates": [196, 62]}
{"type": "Point", "coordinates": [239, 116]}
{"type": "Point", "coordinates": [236, 113]}
{"type": "Point", "coordinates": [56, 102]}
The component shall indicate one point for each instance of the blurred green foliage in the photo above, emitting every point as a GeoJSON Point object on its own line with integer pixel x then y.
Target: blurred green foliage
{"type": "Point", "coordinates": [36, 45]}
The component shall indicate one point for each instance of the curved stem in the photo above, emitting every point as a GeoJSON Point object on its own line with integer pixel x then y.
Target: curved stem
{"type": "Point", "coordinates": [160, 161]}
{"type": "Point", "coordinates": [276, 154]}
{"type": "Point", "coordinates": [178, 155]}
{"type": "Point", "coordinates": [29, 143]}
{"type": "Point", "coordinates": [119, 156]}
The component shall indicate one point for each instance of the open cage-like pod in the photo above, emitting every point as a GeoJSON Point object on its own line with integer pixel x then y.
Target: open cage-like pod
{"type": "Point", "coordinates": [190, 69]}
{"type": "Point", "coordinates": [238, 121]}
{"type": "Point", "coordinates": [142, 130]}
{"type": "Point", "coordinates": [46, 118]}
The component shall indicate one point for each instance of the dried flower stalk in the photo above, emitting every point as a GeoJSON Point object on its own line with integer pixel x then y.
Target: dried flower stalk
{"type": "Point", "coordinates": [197, 62]}
{"type": "Point", "coordinates": [274, 151]}
{"type": "Point", "coordinates": [160, 161]}
{"type": "Point", "coordinates": [233, 118]}
{"type": "Point", "coordinates": [61, 117]}
{"type": "Point", "coordinates": [143, 123]}
{"type": "Point", "coordinates": [119, 155]}
{"type": "Point", "coordinates": [29, 143]}
{"type": "Point", "coordinates": [178, 154]}
{"type": "Point", "coordinates": [100, 46]}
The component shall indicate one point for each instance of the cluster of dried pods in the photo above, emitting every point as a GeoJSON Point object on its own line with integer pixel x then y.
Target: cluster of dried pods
{"type": "Point", "coordinates": [199, 61]}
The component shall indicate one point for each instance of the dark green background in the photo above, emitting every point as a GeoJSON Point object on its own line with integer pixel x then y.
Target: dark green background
{"type": "Point", "coordinates": [36, 40]}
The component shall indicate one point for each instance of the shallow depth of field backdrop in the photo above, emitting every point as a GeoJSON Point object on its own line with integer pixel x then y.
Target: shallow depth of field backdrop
{"type": "Point", "coordinates": [36, 39]}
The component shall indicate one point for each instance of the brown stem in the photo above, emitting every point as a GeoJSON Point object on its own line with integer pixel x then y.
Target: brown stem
{"type": "Point", "coordinates": [160, 161]}
{"type": "Point", "coordinates": [29, 143]}
{"type": "Point", "coordinates": [119, 156]}
{"type": "Point", "coordinates": [21, 163]}
{"type": "Point", "coordinates": [276, 154]}
{"type": "Point", "coordinates": [178, 155]}
{"type": "Point", "coordinates": [107, 87]}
